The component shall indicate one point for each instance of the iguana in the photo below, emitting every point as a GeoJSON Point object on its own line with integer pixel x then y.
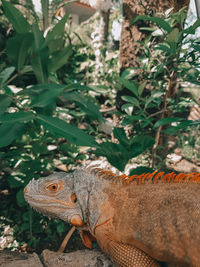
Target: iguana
{"type": "Point", "coordinates": [137, 220]}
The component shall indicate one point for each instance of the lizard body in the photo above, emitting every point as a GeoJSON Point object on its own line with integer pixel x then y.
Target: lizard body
{"type": "Point", "coordinates": [137, 220]}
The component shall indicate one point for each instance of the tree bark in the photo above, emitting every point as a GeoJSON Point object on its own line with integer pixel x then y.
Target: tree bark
{"type": "Point", "coordinates": [129, 46]}
{"type": "Point", "coordinates": [131, 50]}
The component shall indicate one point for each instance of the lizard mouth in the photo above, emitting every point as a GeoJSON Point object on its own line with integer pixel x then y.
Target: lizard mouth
{"type": "Point", "coordinates": [37, 201]}
{"type": "Point", "coordinates": [54, 208]}
{"type": "Point", "coordinates": [48, 206]}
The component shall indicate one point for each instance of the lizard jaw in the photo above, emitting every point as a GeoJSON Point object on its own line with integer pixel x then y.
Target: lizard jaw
{"type": "Point", "coordinates": [54, 208]}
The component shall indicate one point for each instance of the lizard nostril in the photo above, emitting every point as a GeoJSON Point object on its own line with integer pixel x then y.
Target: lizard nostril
{"type": "Point", "coordinates": [73, 198]}
{"type": "Point", "coordinates": [26, 190]}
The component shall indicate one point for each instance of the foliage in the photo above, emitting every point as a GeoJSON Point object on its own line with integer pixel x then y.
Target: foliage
{"type": "Point", "coordinates": [36, 117]}
{"type": "Point", "coordinates": [152, 104]}
{"type": "Point", "coordinates": [118, 154]}
{"type": "Point", "coordinates": [46, 96]}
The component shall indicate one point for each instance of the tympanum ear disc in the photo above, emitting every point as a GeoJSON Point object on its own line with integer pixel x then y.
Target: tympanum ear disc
{"type": "Point", "coordinates": [76, 220]}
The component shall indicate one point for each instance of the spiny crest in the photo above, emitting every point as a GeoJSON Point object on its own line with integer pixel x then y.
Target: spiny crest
{"type": "Point", "coordinates": [155, 177]}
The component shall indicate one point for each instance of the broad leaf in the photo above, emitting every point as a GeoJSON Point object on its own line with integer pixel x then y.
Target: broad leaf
{"type": "Point", "coordinates": [47, 93]}
{"type": "Point", "coordinates": [116, 154]}
{"type": "Point", "coordinates": [158, 21]}
{"type": "Point", "coordinates": [142, 142]}
{"type": "Point", "coordinates": [131, 99]}
{"type": "Point", "coordinates": [85, 104]}
{"type": "Point", "coordinates": [172, 130]}
{"type": "Point", "coordinates": [141, 88]}
{"type": "Point", "coordinates": [14, 183]}
{"type": "Point", "coordinates": [57, 31]}
{"type": "Point", "coordinates": [18, 48]}
{"type": "Point", "coordinates": [129, 85]}
{"type": "Point", "coordinates": [163, 47]}
{"type": "Point", "coordinates": [5, 74]}
{"type": "Point", "coordinates": [128, 108]}
{"type": "Point", "coordinates": [192, 29]}
{"type": "Point", "coordinates": [20, 116]}
{"type": "Point", "coordinates": [165, 121]}
{"type": "Point", "coordinates": [59, 59]}
{"type": "Point", "coordinates": [64, 129]}
{"type": "Point", "coordinates": [20, 198]}
{"type": "Point", "coordinates": [20, 24]}
{"type": "Point", "coordinates": [129, 73]}
{"type": "Point", "coordinates": [173, 36]}
{"type": "Point", "coordinates": [119, 154]}
{"type": "Point", "coordinates": [120, 134]}
{"type": "Point", "coordinates": [78, 86]}
{"type": "Point", "coordinates": [40, 57]}
{"type": "Point", "coordinates": [4, 103]}
{"type": "Point", "coordinates": [9, 132]}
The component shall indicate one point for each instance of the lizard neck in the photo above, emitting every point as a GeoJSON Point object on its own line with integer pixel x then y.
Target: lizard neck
{"type": "Point", "coordinates": [92, 198]}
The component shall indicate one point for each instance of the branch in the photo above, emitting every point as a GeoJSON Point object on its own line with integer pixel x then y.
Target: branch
{"type": "Point", "coordinates": [66, 239]}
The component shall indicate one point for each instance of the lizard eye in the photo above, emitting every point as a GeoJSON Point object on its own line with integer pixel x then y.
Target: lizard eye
{"type": "Point", "coordinates": [73, 198]}
{"type": "Point", "coordinates": [53, 187]}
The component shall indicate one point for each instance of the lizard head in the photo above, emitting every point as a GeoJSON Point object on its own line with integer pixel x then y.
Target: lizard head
{"type": "Point", "coordinates": [54, 196]}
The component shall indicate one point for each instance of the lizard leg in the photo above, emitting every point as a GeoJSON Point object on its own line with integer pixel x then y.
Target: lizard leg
{"type": "Point", "coordinates": [123, 255]}
{"type": "Point", "coordinates": [128, 256]}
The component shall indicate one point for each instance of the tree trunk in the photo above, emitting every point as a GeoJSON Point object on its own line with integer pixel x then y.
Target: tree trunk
{"type": "Point", "coordinates": [131, 50]}
{"type": "Point", "coordinates": [129, 46]}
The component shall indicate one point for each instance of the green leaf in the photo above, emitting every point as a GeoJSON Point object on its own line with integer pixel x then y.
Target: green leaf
{"type": "Point", "coordinates": [140, 144]}
{"type": "Point", "coordinates": [20, 24]}
{"type": "Point", "coordinates": [20, 116]}
{"type": "Point", "coordinates": [18, 48]}
{"type": "Point", "coordinates": [91, 109]}
{"type": "Point", "coordinates": [131, 99]}
{"type": "Point", "coordinates": [20, 198]}
{"type": "Point", "coordinates": [116, 154]}
{"type": "Point", "coordinates": [141, 88]}
{"type": "Point", "coordinates": [5, 74]}
{"type": "Point", "coordinates": [85, 104]}
{"type": "Point", "coordinates": [173, 36]}
{"type": "Point", "coordinates": [163, 47]}
{"type": "Point", "coordinates": [158, 21]}
{"type": "Point", "coordinates": [48, 94]}
{"type": "Point", "coordinates": [4, 103]}
{"type": "Point", "coordinates": [128, 108]}
{"type": "Point", "coordinates": [120, 134]}
{"type": "Point", "coordinates": [147, 29]}
{"type": "Point", "coordinates": [59, 59]}
{"type": "Point", "coordinates": [119, 154]}
{"type": "Point", "coordinates": [78, 86]}
{"type": "Point", "coordinates": [13, 182]}
{"type": "Point", "coordinates": [55, 45]}
{"type": "Point", "coordinates": [10, 132]}
{"type": "Point", "coordinates": [165, 121]}
{"type": "Point", "coordinates": [7, 90]}
{"type": "Point", "coordinates": [192, 29]}
{"type": "Point", "coordinates": [129, 85]}
{"type": "Point", "coordinates": [154, 100]}
{"type": "Point", "coordinates": [57, 31]}
{"type": "Point", "coordinates": [64, 129]}
{"type": "Point", "coordinates": [172, 130]}
{"type": "Point", "coordinates": [128, 73]}
{"type": "Point", "coordinates": [179, 17]}
{"type": "Point", "coordinates": [61, 228]}
{"type": "Point", "coordinates": [40, 57]}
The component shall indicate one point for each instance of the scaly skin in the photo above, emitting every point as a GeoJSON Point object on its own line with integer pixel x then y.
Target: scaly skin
{"type": "Point", "coordinates": [137, 220]}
